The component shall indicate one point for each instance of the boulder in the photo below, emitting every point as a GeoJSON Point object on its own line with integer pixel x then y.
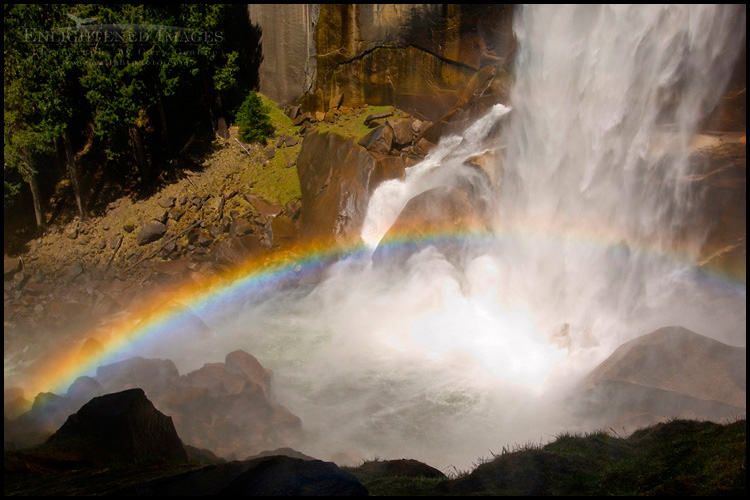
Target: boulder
{"type": "Point", "coordinates": [336, 177]}
{"type": "Point", "coordinates": [286, 476]}
{"type": "Point", "coordinates": [402, 468]}
{"type": "Point", "coordinates": [216, 379]}
{"type": "Point", "coordinates": [249, 367]}
{"type": "Point", "coordinates": [379, 140]}
{"type": "Point", "coordinates": [84, 389]}
{"type": "Point", "coordinates": [166, 202]}
{"type": "Point", "coordinates": [679, 360]}
{"type": "Point", "coordinates": [438, 211]}
{"type": "Point", "coordinates": [378, 116]}
{"type": "Point", "coordinates": [402, 131]}
{"type": "Point", "coordinates": [671, 372]}
{"type": "Point", "coordinates": [150, 232]}
{"type": "Point", "coordinates": [123, 426]}
{"type": "Point", "coordinates": [152, 375]}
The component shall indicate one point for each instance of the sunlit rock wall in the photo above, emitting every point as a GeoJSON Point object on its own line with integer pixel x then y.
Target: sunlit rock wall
{"type": "Point", "coordinates": [416, 57]}
{"type": "Point", "coordinates": [288, 68]}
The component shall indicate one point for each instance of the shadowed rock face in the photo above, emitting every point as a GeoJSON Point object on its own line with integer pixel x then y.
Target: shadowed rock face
{"type": "Point", "coordinates": [672, 372]}
{"type": "Point", "coordinates": [121, 426]}
{"type": "Point", "coordinates": [286, 476]}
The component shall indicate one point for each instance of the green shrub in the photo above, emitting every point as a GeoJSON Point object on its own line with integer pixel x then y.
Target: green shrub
{"type": "Point", "coordinates": [253, 120]}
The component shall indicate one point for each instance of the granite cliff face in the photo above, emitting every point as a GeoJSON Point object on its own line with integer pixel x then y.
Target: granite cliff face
{"type": "Point", "coordinates": [417, 57]}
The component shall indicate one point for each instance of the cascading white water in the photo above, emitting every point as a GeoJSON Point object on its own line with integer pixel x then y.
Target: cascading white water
{"type": "Point", "coordinates": [596, 190]}
{"type": "Point", "coordinates": [445, 365]}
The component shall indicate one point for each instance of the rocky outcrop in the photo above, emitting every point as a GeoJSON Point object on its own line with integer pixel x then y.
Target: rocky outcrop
{"type": "Point", "coordinates": [337, 177]}
{"type": "Point", "coordinates": [210, 406]}
{"type": "Point", "coordinates": [671, 372]}
{"type": "Point", "coordinates": [123, 426]}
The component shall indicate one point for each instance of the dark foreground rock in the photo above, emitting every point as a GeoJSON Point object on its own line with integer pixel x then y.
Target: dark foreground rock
{"type": "Point", "coordinates": [676, 458]}
{"type": "Point", "coordinates": [123, 426]}
{"type": "Point", "coordinates": [286, 476]}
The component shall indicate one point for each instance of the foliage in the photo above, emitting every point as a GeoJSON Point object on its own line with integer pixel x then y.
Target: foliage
{"type": "Point", "coordinates": [253, 120]}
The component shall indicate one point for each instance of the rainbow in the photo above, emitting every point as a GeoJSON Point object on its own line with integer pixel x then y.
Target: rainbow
{"type": "Point", "coordinates": [269, 272]}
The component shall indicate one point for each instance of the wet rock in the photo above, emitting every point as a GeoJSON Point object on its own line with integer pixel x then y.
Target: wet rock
{"type": "Point", "coordinates": [153, 375]}
{"type": "Point", "coordinates": [84, 389]}
{"type": "Point", "coordinates": [671, 372]}
{"type": "Point", "coordinates": [246, 365]}
{"type": "Point", "coordinates": [423, 147]}
{"type": "Point", "coordinates": [150, 232]}
{"type": "Point", "coordinates": [11, 265]}
{"type": "Point", "coordinates": [123, 426]}
{"type": "Point", "coordinates": [240, 227]}
{"type": "Point", "coordinates": [216, 379]}
{"type": "Point", "coordinates": [166, 202]}
{"type": "Point", "coordinates": [379, 140]}
{"type": "Point", "coordinates": [436, 211]}
{"type": "Point", "coordinates": [288, 476]}
{"type": "Point", "coordinates": [334, 178]}
{"type": "Point", "coordinates": [386, 167]}
{"type": "Point", "coordinates": [402, 131]}
{"type": "Point", "coordinates": [487, 163]}
{"type": "Point", "coordinates": [377, 116]}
